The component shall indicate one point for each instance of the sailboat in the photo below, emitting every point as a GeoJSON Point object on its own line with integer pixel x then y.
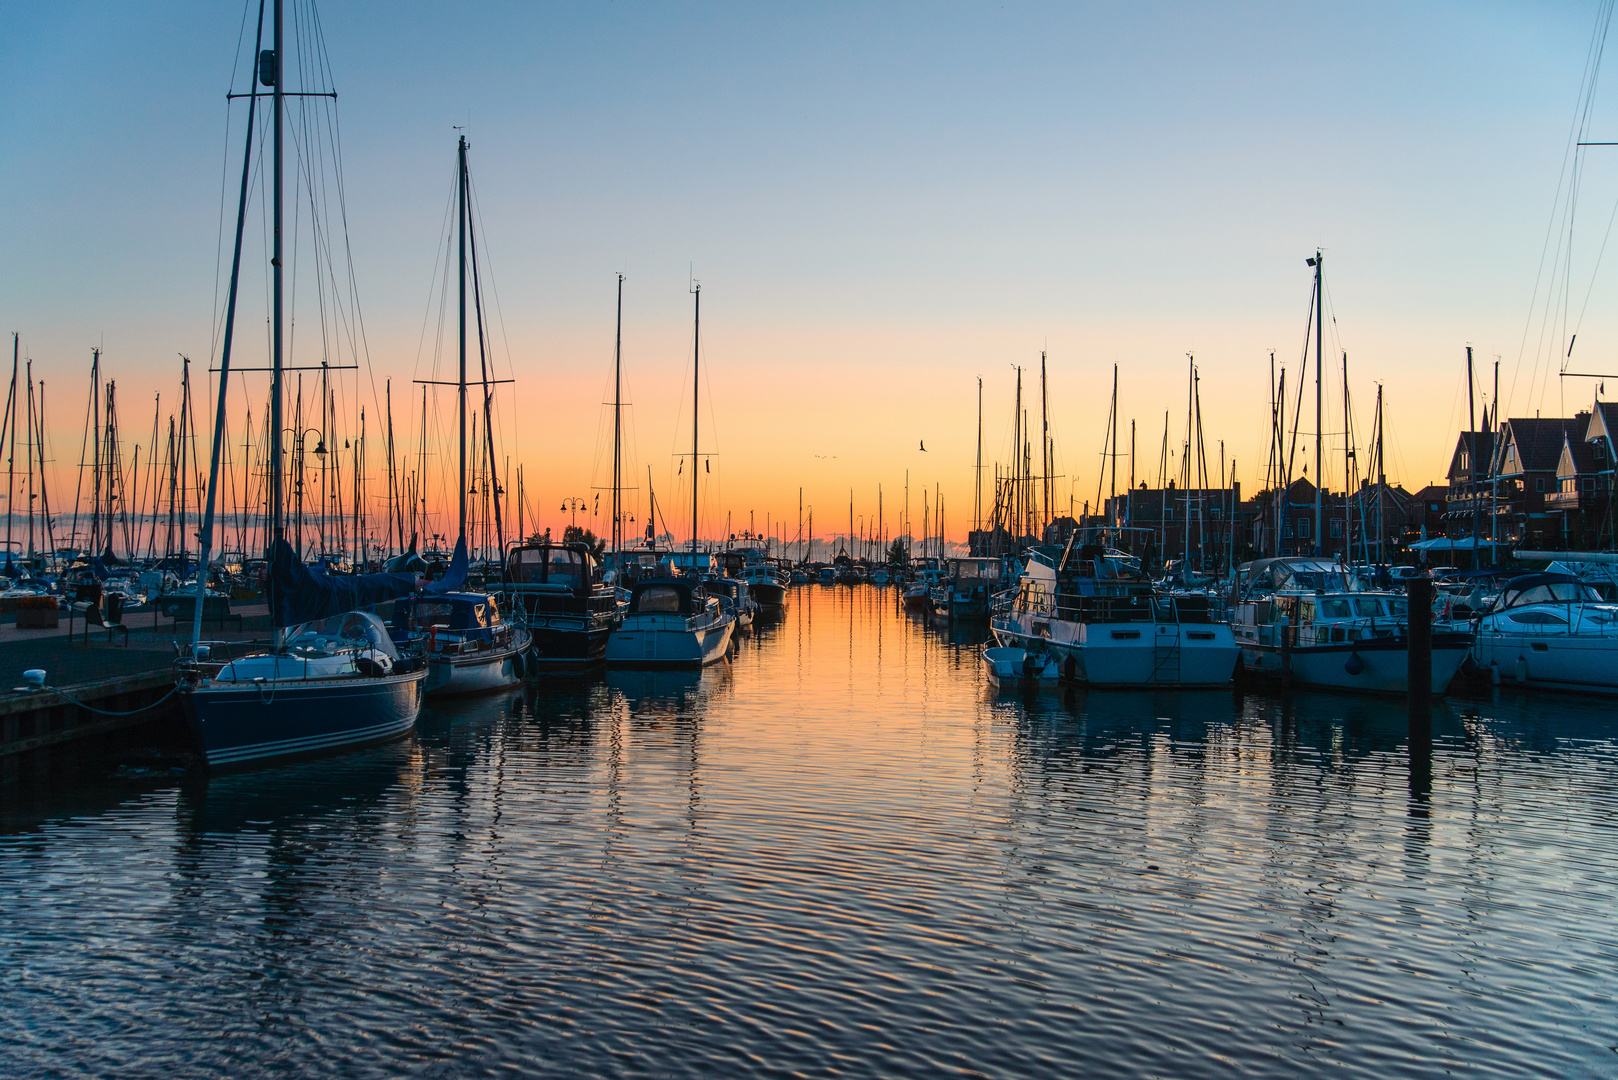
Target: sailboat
{"type": "Point", "coordinates": [557, 590]}
{"type": "Point", "coordinates": [471, 648]}
{"type": "Point", "coordinates": [672, 621]}
{"type": "Point", "coordinates": [334, 677]}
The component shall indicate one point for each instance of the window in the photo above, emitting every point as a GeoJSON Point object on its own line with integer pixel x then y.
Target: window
{"type": "Point", "coordinates": [1303, 528]}
{"type": "Point", "coordinates": [1215, 513]}
{"type": "Point", "coordinates": [1336, 530]}
{"type": "Point", "coordinates": [1168, 514]}
{"type": "Point", "coordinates": [659, 599]}
{"type": "Point", "coordinates": [1539, 485]}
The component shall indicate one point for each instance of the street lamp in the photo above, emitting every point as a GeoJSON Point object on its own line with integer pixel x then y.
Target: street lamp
{"type": "Point", "coordinates": [573, 506]}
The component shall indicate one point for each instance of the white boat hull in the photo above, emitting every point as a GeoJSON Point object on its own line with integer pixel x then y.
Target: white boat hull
{"type": "Point", "coordinates": [1131, 653]}
{"type": "Point", "coordinates": [669, 641]}
{"type": "Point", "coordinates": [1583, 663]}
{"type": "Point", "coordinates": [1009, 667]}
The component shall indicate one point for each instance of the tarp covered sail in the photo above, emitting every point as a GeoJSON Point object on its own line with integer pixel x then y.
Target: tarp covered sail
{"type": "Point", "coordinates": [455, 576]}
{"type": "Point", "coordinates": [299, 593]}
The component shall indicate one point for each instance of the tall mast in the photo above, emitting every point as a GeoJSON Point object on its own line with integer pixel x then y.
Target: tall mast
{"type": "Point", "coordinates": [206, 536]}
{"type": "Point", "coordinates": [394, 515]}
{"type": "Point", "coordinates": [460, 389]}
{"type": "Point", "coordinates": [1381, 475]}
{"type": "Point", "coordinates": [977, 471]}
{"type": "Point", "coordinates": [1472, 454]}
{"type": "Point", "coordinates": [276, 69]}
{"type": "Point", "coordinates": [1044, 439]}
{"type": "Point", "coordinates": [1348, 458]}
{"type": "Point", "coordinates": [617, 423]}
{"type": "Point", "coordinates": [1018, 514]}
{"type": "Point", "coordinates": [1113, 485]}
{"type": "Point", "coordinates": [11, 455]}
{"type": "Point", "coordinates": [696, 389]}
{"type": "Point", "coordinates": [1320, 332]}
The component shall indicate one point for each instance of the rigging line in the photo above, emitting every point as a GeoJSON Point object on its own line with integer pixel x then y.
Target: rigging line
{"type": "Point", "coordinates": [218, 259]}
{"type": "Point", "coordinates": [488, 266]}
{"type": "Point", "coordinates": [1303, 368]}
{"type": "Point", "coordinates": [1586, 92]}
{"type": "Point", "coordinates": [427, 310]}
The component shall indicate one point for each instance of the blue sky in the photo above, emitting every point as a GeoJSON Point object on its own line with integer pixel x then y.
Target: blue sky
{"type": "Point", "coordinates": [892, 198]}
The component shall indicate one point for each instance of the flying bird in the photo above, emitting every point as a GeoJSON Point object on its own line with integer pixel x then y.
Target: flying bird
{"type": "Point", "coordinates": [924, 446]}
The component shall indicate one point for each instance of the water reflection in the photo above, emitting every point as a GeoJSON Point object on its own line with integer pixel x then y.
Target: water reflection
{"type": "Point", "coordinates": [842, 853]}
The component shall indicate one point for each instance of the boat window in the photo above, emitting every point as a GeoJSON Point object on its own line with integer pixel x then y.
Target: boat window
{"type": "Point", "coordinates": [427, 613]}
{"type": "Point", "coordinates": [1366, 605]}
{"type": "Point", "coordinates": [1537, 618]}
{"type": "Point", "coordinates": [1399, 607]}
{"type": "Point", "coordinates": [1538, 594]}
{"type": "Point", "coordinates": [494, 611]}
{"type": "Point", "coordinates": [658, 599]}
{"type": "Point", "coordinates": [349, 630]}
{"type": "Point", "coordinates": [1574, 591]}
{"type": "Point", "coordinates": [1335, 608]}
{"type": "Point", "coordinates": [565, 568]}
{"type": "Point", "coordinates": [1306, 611]}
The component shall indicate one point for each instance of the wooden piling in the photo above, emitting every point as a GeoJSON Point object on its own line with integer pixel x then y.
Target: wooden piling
{"type": "Point", "coordinates": [1419, 684]}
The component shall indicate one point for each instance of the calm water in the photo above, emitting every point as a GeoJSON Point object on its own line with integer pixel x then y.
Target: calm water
{"type": "Point", "coordinates": [839, 856]}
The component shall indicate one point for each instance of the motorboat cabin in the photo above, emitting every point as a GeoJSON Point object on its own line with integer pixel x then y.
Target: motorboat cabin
{"type": "Point", "coordinates": [671, 622]}
{"type": "Point", "coordinates": [556, 592]}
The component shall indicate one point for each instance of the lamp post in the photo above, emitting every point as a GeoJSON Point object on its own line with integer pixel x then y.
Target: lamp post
{"type": "Point", "coordinates": [573, 506]}
{"type": "Point", "coordinates": [297, 484]}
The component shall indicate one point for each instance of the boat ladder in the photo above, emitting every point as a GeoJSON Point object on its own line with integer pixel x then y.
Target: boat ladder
{"type": "Point", "coordinates": [1166, 654]}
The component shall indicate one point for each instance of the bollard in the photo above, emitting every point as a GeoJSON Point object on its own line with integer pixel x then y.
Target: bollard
{"type": "Point", "coordinates": [1419, 683]}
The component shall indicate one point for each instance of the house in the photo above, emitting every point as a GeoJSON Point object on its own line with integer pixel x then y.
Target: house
{"type": "Point", "coordinates": [1526, 459]}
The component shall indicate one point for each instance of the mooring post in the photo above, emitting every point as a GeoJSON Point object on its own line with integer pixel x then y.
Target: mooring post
{"type": "Point", "coordinates": [1419, 681]}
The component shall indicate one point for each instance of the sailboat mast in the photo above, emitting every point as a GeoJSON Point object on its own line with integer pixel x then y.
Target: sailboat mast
{"type": "Point", "coordinates": [1381, 475]}
{"type": "Point", "coordinates": [1113, 483]}
{"type": "Point", "coordinates": [977, 470]}
{"type": "Point", "coordinates": [460, 387]}
{"type": "Point", "coordinates": [696, 389]}
{"type": "Point", "coordinates": [1472, 454]}
{"type": "Point", "coordinates": [11, 456]}
{"type": "Point", "coordinates": [617, 424]}
{"type": "Point", "coordinates": [206, 536]}
{"type": "Point", "coordinates": [1044, 439]}
{"type": "Point", "coordinates": [276, 68]}
{"type": "Point", "coordinates": [1320, 332]}
{"type": "Point", "coordinates": [1348, 459]}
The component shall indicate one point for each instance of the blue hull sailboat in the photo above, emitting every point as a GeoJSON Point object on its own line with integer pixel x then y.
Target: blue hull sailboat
{"type": "Point", "coordinates": [334, 677]}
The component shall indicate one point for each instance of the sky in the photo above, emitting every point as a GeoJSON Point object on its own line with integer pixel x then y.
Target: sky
{"type": "Point", "coordinates": [883, 203]}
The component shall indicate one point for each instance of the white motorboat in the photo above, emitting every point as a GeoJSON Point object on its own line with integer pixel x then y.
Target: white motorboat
{"type": "Point", "coordinates": [1009, 667]}
{"type": "Point", "coordinates": [671, 622]}
{"type": "Point", "coordinates": [1552, 631]}
{"type": "Point", "coordinates": [1108, 629]}
{"type": "Point", "coordinates": [1302, 619]}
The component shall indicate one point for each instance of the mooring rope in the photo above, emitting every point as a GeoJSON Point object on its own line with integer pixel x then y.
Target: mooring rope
{"type": "Point", "coordinates": [108, 712]}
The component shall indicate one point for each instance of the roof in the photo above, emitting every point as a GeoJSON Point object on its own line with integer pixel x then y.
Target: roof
{"type": "Point", "coordinates": [1534, 444]}
{"type": "Point", "coordinates": [1483, 441]}
{"type": "Point", "coordinates": [1603, 422]}
{"type": "Point", "coordinates": [1578, 458]}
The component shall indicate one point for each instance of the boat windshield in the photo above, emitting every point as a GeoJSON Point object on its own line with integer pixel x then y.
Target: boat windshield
{"type": "Point", "coordinates": [1310, 577]}
{"type": "Point", "coordinates": [1555, 592]}
{"type": "Point", "coordinates": [350, 630]}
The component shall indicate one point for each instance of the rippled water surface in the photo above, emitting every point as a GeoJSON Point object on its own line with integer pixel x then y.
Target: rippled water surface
{"type": "Point", "coordinates": [839, 855]}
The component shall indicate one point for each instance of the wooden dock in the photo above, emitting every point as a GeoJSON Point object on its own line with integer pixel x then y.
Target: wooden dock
{"type": "Point", "coordinates": [125, 684]}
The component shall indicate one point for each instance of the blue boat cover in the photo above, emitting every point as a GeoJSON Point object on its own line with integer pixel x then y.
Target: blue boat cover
{"type": "Point", "coordinates": [455, 576]}
{"type": "Point", "coordinates": [300, 593]}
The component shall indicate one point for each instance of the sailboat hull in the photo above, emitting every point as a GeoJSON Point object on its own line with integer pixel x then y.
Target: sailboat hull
{"type": "Point", "coordinates": [236, 724]}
